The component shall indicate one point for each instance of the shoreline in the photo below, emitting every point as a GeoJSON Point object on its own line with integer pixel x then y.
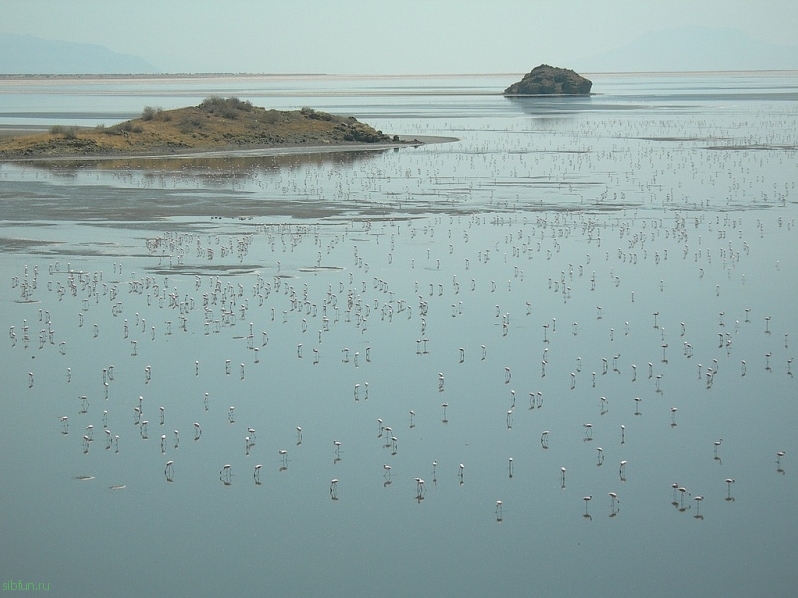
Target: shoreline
{"type": "Point", "coordinates": [240, 152]}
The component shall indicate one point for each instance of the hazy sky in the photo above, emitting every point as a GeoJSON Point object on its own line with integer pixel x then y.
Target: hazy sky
{"type": "Point", "coordinates": [380, 36]}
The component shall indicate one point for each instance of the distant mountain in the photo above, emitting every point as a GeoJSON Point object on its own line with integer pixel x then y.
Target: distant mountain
{"type": "Point", "coordinates": [24, 54]}
{"type": "Point", "coordinates": [693, 49]}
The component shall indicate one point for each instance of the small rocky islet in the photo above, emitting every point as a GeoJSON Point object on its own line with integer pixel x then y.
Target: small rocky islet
{"type": "Point", "coordinates": [550, 80]}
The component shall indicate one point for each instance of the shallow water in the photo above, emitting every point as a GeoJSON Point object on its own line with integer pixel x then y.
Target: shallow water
{"type": "Point", "coordinates": [539, 264]}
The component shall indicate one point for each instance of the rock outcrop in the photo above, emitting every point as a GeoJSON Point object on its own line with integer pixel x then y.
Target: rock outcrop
{"type": "Point", "coordinates": [549, 80]}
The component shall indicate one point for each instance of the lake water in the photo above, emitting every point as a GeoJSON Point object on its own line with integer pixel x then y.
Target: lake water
{"type": "Point", "coordinates": [602, 284]}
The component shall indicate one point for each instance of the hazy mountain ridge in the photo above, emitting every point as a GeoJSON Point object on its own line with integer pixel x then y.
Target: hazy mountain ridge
{"type": "Point", "coordinates": [684, 49]}
{"type": "Point", "coordinates": [28, 55]}
{"type": "Point", "coordinates": [693, 49]}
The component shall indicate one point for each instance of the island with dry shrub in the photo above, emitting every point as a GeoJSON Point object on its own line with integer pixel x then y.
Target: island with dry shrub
{"type": "Point", "coordinates": [217, 124]}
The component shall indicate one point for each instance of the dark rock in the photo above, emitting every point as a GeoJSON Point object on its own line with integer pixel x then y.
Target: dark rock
{"type": "Point", "coordinates": [549, 80]}
{"type": "Point", "coordinates": [364, 134]}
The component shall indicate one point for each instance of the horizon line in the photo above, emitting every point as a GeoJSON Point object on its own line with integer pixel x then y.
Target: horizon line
{"type": "Point", "coordinates": [369, 76]}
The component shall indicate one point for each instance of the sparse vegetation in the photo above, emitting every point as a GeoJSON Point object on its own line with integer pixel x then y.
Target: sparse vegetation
{"type": "Point", "coordinates": [311, 113]}
{"type": "Point", "coordinates": [271, 117]}
{"type": "Point", "coordinates": [215, 124]}
{"type": "Point", "coordinates": [189, 124]}
{"type": "Point", "coordinates": [129, 126]}
{"type": "Point", "coordinates": [150, 113]}
{"type": "Point", "coordinates": [65, 132]}
{"type": "Point", "coordinates": [226, 107]}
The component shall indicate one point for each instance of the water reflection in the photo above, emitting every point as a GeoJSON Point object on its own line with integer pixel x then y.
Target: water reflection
{"type": "Point", "coordinates": [436, 292]}
{"type": "Point", "coordinates": [552, 107]}
{"type": "Point", "coordinates": [209, 169]}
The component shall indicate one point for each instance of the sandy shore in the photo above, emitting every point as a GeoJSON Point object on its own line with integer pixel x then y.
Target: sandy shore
{"type": "Point", "coordinates": [275, 150]}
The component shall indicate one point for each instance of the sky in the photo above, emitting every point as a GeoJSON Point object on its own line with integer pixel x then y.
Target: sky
{"type": "Point", "coordinates": [379, 36]}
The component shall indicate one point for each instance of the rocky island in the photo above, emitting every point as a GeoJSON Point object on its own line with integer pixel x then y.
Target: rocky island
{"type": "Point", "coordinates": [217, 124]}
{"type": "Point", "coordinates": [549, 80]}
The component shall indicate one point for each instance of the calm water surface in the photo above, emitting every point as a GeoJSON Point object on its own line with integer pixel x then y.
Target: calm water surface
{"type": "Point", "coordinates": [603, 284]}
